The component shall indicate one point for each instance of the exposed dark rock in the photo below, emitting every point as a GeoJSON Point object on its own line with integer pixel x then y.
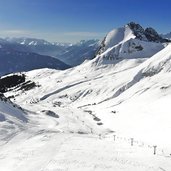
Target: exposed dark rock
{"type": "Point", "coordinates": [100, 123]}
{"type": "Point", "coordinates": [28, 85]}
{"type": "Point", "coordinates": [148, 34]}
{"type": "Point", "coordinates": [137, 29]}
{"type": "Point", "coordinates": [152, 34]}
{"type": "Point", "coordinates": [11, 81]}
{"type": "Point", "coordinates": [138, 48]}
{"type": "Point", "coordinates": [2, 97]}
{"type": "Point", "coordinates": [50, 113]}
{"type": "Point", "coordinates": [97, 119]}
{"type": "Point", "coordinates": [81, 132]}
{"type": "Point", "coordinates": [101, 48]}
{"type": "Point", "coordinates": [57, 103]}
{"type": "Point", "coordinates": [17, 82]}
{"type": "Point", "coordinates": [164, 87]}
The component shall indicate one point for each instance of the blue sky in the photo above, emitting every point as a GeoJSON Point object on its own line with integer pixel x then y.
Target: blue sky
{"type": "Point", "coordinates": [72, 20]}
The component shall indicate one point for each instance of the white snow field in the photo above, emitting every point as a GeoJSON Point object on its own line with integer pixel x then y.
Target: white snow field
{"type": "Point", "coordinates": [108, 114]}
{"type": "Point", "coordinates": [71, 119]}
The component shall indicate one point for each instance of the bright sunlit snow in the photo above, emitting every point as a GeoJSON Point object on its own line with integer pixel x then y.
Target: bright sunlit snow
{"type": "Point", "coordinates": [110, 113]}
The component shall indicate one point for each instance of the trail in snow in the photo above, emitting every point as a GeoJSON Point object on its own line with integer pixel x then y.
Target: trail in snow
{"type": "Point", "coordinates": [56, 151]}
{"type": "Point", "coordinates": [71, 140]}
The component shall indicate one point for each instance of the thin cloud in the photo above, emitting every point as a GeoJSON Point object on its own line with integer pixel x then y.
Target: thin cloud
{"type": "Point", "coordinates": [84, 34]}
{"type": "Point", "coordinates": [52, 36]}
{"type": "Point", "coordinates": [13, 33]}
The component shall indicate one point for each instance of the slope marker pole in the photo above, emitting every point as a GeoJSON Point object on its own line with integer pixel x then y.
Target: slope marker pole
{"type": "Point", "coordinates": [155, 149]}
{"type": "Point", "coordinates": [114, 137]}
{"type": "Point", "coordinates": [132, 141]}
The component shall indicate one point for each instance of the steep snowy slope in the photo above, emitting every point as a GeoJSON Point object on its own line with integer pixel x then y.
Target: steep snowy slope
{"type": "Point", "coordinates": [141, 98]}
{"type": "Point", "coordinates": [12, 119]}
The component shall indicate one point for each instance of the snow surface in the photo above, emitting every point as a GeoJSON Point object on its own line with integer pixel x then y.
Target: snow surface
{"type": "Point", "coordinates": [117, 36]}
{"type": "Point", "coordinates": [12, 121]}
{"type": "Point", "coordinates": [74, 115]}
{"type": "Point", "coordinates": [122, 43]}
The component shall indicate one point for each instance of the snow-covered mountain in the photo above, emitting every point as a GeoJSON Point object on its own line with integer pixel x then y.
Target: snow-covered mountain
{"type": "Point", "coordinates": [17, 61]}
{"type": "Point", "coordinates": [39, 46]}
{"type": "Point", "coordinates": [71, 54]}
{"type": "Point", "coordinates": [131, 41]}
{"type": "Point", "coordinates": [79, 52]}
{"type": "Point", "coordinates": [34, 41]}
{"type": "Point", "coordinates": [105, 114]}
{"type": "Point", "coordinates": [166, 36]}
{"type": "Point", "coordinates": [28, 41]}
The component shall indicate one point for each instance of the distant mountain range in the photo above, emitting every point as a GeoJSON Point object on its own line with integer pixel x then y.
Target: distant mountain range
{"type": "Point", "coordinates": [130, 41]}
{"type": "Point", "coordinates": [79, 52]}
{"type": "Point", "coordinates": [39, 46]}
{"type": "Point", "coordinates": [13, 60]}
{"type": "Point", "coordinates": [166, 36]}
{"type": "Point", "coordinates": [71, 54]}
{"type": "Point", "coordinates": [23, 54]}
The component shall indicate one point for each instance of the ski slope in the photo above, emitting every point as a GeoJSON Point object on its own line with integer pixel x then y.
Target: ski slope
{"type": "Point", "coordinates": [73, 143]}
{"type": "Point", "coordinates": [73, 116]}
{"type": "Point", "coordinates": [109, 113]}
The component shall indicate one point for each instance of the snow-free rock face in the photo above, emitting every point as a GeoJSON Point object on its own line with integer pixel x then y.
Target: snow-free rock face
{"type": "Point", "coordinates": [131, 41]}
{"type": "Point", "coordinates": [148, 34]}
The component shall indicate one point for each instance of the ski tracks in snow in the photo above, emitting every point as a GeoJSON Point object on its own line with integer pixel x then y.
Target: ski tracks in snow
{"type": "Point", "coordinates": [84, 153]}
{"type": "Point", "coordinates": [50, 151]}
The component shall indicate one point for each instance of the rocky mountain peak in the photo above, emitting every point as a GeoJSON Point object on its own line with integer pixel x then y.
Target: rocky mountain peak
{"type": "Point", "coordinates": [131, 40]}
{"type": "Point", "coordinates": [137, 29]}
{"type": "Point", "coordinates": [152, 34]}
{"type": "Point", "coordinates": [148, 34]}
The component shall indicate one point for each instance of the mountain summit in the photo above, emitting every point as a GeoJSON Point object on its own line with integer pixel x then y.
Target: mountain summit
{"type": "Point", "coordinates": [131, 41]}
{"type": "Point", "coordinates": [148, 34]}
